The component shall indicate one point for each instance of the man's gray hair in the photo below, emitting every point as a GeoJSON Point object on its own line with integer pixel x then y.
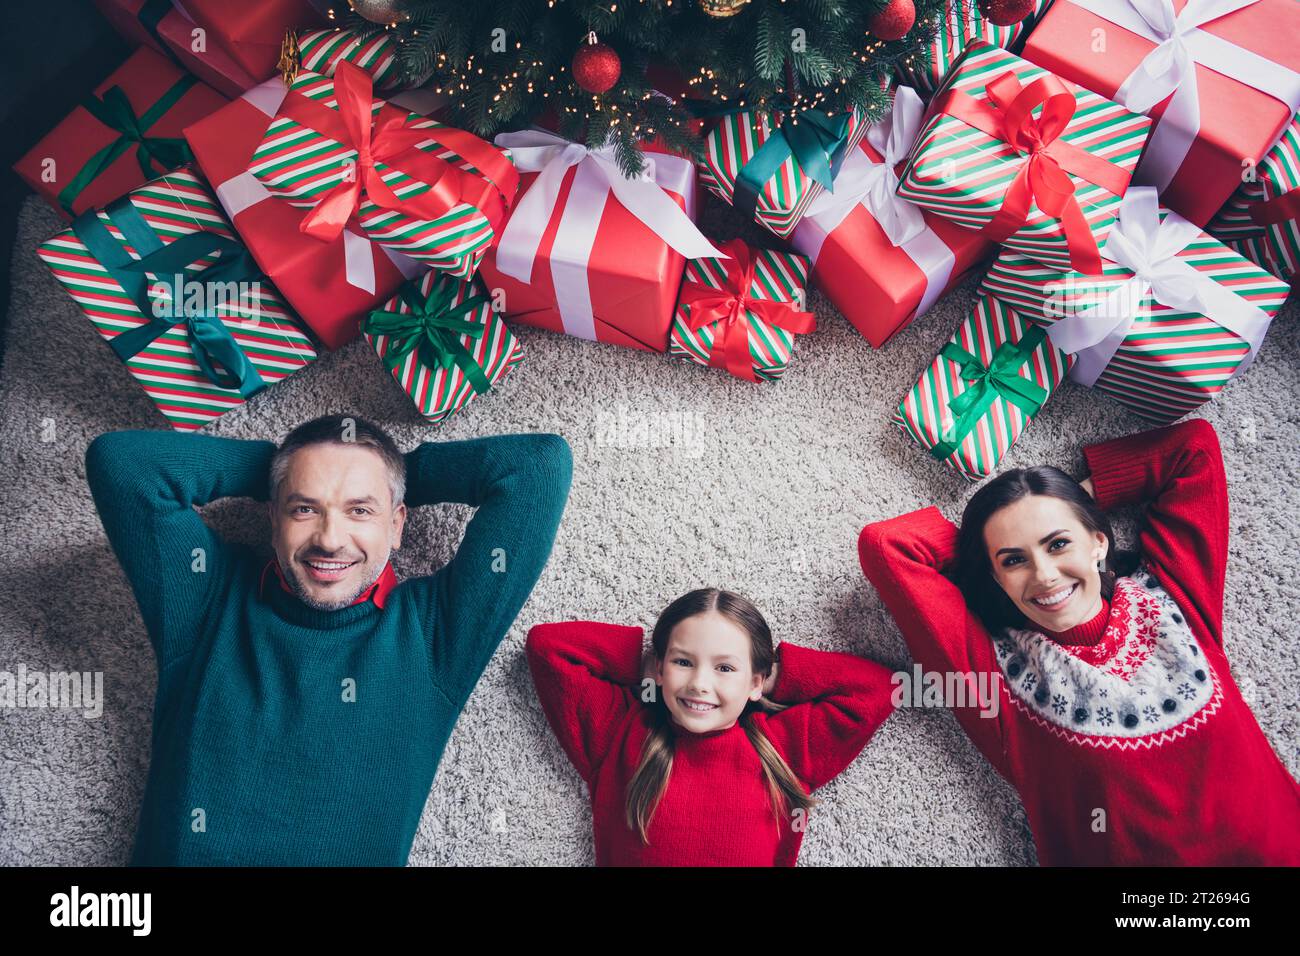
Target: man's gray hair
{"type": "Point", "coordinates": [341, 430]}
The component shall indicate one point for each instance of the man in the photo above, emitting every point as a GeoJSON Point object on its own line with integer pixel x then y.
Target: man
{"type": "Point", "coordinates": [304, 702]}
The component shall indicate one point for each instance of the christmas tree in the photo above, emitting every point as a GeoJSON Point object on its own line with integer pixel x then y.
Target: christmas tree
{"type": "Point", "coordinates": [598, 67]}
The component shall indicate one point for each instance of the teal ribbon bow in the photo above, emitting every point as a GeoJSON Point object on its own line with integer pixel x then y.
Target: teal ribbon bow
{"type": "Point", "coordinates": [999, 377]}
{"type": "Point", "coordinates": [210, 339]}
{"type": "Point", "coordinates": [114, 111]}
{"type": "Point", "coordinates": [433, 328]}
{"type": "Point", "coordinates": [815, 139]}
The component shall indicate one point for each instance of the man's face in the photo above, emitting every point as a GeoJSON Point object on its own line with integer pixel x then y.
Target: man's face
{"type": "Point", "coordinates": [333, 525]}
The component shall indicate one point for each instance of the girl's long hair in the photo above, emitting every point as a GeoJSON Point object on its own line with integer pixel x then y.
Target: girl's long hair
{"type": "Point", "coordinates": [975, 576]}
{"type": "Point", "coordinates": [650, 780]}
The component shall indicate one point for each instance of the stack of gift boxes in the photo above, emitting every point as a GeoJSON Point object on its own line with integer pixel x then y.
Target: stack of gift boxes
{"type": "Point", "coordinates": [1085, 169]}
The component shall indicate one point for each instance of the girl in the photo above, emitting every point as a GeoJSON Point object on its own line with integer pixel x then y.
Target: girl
{"type": "Point", "coordinates": [1120, 723]}
{"type": "Point", "coordinates": [705, 753]}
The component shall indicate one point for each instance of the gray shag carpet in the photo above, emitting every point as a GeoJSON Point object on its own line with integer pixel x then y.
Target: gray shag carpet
{"type": "Point", "coordinates": [758, 488]}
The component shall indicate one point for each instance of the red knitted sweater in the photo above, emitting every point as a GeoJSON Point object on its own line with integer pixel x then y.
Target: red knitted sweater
{"type": "Point", "coordinates": [715, 810]}
{"type": "Point", "coordinates": [1137, 748]}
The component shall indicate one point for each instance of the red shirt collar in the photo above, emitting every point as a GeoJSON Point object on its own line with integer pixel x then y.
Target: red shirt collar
{"type": "Point", "coordinates": [386, 581]}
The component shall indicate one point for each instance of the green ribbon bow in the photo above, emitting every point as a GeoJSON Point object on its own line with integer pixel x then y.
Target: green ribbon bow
{"type": "Point", "coordinates": [209, 337]}
{"type": "Point", "coordinates": [999, 377]}
{"type": "Point", "coordinates": [115, 112]}
{"type": "Point", "coordinates": [432, 327]}
{"type": "Point", "coordinates": [816, 141]}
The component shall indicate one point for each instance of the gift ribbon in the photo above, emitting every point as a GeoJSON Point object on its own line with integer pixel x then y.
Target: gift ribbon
{"type": "Point", "coordinates": [210, 339]}
{"type": "Point", "coordinates": [1000, 377]}
{"type": "Point", "coordinates": [1281, 208]}
{"type": "Point", "coordinates": [1141, 242]}
{"type": "Point", "coordinates": [815, 140]}
{"type": "Point", "coordinates": [387, 139]}
{"type": "Point", "coordinates": [1170, 68]}
{"type": "Point", "coordinates": [1007, 113]}
{"type": "Point", "coordinates": [730, 306]}
{"type": "Point", "coordinates": [114, 111]}
{"type": "Point", "coordinates": [432, 328]}
{"type": "Point", "coordinates": [864, 182]}
{"type": "Point", "coordinates": [597, 177]}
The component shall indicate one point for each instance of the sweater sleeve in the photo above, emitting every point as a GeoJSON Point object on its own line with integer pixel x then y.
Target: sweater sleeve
{"type": "Point", "coordinates": [586, 675]}
{"type": "Point", "coordinates": [1178, 472]}
{"type": "Point", "coordinates": [519, 485]}
{"type": "Point", "coordinates": [145, 485]}
{"type": "Point", "coordinates": [905, 559]}
{"type": "Point", "coordinates": [835, 704]}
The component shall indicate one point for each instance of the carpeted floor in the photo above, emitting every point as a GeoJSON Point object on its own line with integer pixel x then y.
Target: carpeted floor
{"type": "Point", "coordinates": [762, 490]}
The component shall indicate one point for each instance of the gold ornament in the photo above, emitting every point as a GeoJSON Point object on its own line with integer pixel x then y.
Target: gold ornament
{"type": "Point", "coordinates": [290, 58]}
{"type": "Point", "coordinates": [722, 8]}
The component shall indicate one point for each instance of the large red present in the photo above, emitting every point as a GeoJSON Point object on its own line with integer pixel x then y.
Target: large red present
{"type": "Point", "coordinates": [880, 259]}
{"type": "Point", "coordinates": [123, 135]}
{"type": "Point", "coordinates": [589, 252]}
{"type": "Point", "coordinates": [231, 45]}
{"type": "Point", "coordinates": [331, 285]}
{"type": "Point", "coordinates": [1220, 76]}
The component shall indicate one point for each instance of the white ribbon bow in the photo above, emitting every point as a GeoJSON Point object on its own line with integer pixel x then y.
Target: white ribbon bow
{"type": "Point", "coordinates": [598, 175]}
{"type": "Point", "coordinates": [874, 185]}
{"type": "Point", "coordinates": [1139, 241]}
{"type": "Point", "coordinates": [1171, 68]}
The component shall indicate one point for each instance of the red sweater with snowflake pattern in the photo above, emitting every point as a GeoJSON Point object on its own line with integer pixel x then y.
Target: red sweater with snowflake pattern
{"type": "Point", "coordinates": [715, 810]}
{"type": "Point", "coordinates": [1136, 748]}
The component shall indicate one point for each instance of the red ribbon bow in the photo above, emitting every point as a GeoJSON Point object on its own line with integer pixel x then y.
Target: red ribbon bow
{"type": "Point", "coordinates": [730, 306]}
{"type": "Point", "coordinates": [1278, 209]}
{"type": "Point", "coordinates": [1008, 114]}
{"type": "Point", "coordinates": [386, 139]}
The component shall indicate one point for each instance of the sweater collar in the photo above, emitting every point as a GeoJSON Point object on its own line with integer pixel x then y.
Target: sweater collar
{"type": "Point", "coordinates": [377, 593]}
{"type": "Point", "coordinates": [1087, 632]}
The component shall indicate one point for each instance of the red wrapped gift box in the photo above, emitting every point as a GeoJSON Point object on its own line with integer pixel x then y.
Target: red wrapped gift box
{"type": "Point", "coordinates": [85, 169]}
{"type": "Point", "coordinates": [880, 259]}
{"type": "Point", "coordinates": [1230, 108]}
{"type": "Point", "coordinates": [331, 285]}
{"type": "Point", "coordinates": [574, 259]}
{"type": "Point", "coordinates": [239, 43]}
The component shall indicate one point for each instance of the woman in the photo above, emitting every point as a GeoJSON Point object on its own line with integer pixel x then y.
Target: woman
{"type": "Point", "coordinates": [1120, 723]}
{"type": "Point", "coordinates": [705, 752]}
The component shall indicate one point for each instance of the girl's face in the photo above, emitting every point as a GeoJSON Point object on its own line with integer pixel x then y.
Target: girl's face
{"type": "Point", "coordinates": [706, 675]}
{"type": "Point", "coordinates": [1046, 561]}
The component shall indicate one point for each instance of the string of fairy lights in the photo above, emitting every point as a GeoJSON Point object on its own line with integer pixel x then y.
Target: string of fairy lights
{"type": "Point", "coordinates": [457, 83]}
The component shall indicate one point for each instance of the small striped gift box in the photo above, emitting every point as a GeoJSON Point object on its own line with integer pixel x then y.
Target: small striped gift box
{"type": "Point", "coordinates": [960, 22]}
{"type": "Point", "coordinates": [1273, 243]}
{"type": "Point", "coordinates": [244, 326]}
{"type": "Point", "coordinates": [1170, 361]}
{"type": "Point", "coordinates": [758, 295]}
{"type": "Point", "coordinates": [982, 390]}
{"type": "Point", "coordinates": [970, 174]}
{"type": "Point", "coordinates": [785, 194]}
{"type": "Point", "coordinates": [321, 51]}
{"type": "Point", "coordinates": [443, 342]}
{"type": "Point", "coordinates": [455, 186]}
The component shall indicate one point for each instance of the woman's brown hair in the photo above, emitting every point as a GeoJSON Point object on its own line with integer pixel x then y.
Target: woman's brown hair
{"type": "Point", "coordinates": [648, 783]}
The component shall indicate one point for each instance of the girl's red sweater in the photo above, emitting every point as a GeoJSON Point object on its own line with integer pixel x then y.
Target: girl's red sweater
{"type": "Point", "coordinates": [1209, 791]}
{"type": "Point", "coordinates": [715, 810]}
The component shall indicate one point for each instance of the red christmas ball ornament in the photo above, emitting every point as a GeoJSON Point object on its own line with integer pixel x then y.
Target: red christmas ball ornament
{"type": "Point", "coordinates": [1006, 12]}
{"type": "Point", "coordinates": [893, 22]}
{"type": "Point", "coordinates": [596, 67]}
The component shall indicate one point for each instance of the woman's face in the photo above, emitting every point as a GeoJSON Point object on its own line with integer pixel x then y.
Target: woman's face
{"type": "Point", "coordinates": [706, 673]}
{"type": "Point", "coordinates": [1046, 561]}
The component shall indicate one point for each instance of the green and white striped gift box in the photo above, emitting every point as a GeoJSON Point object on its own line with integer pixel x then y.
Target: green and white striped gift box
{"type": "Point", "coordinates": [1171, 361]}
{"type": "Point", "coordinates": [439, 392]}
{"type": "Point", "coordinates": [926, 413]}
{"type": "Point", "coordinates": [1275, 247]}
{"type": "Point", "coordinates": [787, 193]}
{"type": "Point", "coordinates": [321, 51]}
{"type": "Point", "coordinates": [300, 165]}
{"type": "Point", "coordinates": [778, 277]}
{"type": "Point", "coordinates": [960, 22]}
{"type": "Point", "coordinates": [963, 173]}
{"type": "Point", "coordinates": [260, 322]}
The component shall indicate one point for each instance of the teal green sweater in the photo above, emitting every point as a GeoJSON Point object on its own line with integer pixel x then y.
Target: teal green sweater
{"type": "Point", "coordinates": [258, 756]}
